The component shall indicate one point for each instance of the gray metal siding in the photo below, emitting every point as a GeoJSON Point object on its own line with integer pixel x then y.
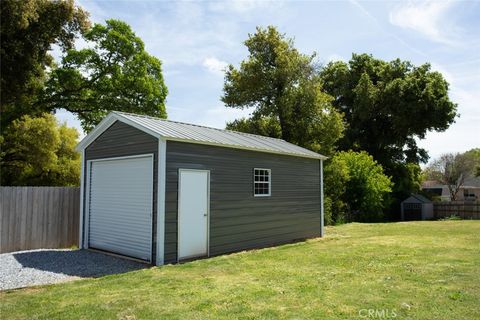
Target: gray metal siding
{"type": "Point", "coordinates": [123, 140]}
{"type": "Point", "coordinates": [238, 220]}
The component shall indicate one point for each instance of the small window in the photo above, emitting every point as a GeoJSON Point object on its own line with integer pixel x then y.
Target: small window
{"type": "Point", "coordinates": [261, 182]}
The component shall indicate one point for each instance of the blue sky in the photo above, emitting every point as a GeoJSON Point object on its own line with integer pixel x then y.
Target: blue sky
{"type": "Point", "coordinates": [196, 40]}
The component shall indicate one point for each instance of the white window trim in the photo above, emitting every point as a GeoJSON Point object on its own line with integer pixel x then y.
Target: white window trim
{"type": "Point", "coordinates": [269, 183]}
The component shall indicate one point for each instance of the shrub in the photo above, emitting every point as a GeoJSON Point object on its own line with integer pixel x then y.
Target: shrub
{"type": "Point", "coordinates": [357, 187]}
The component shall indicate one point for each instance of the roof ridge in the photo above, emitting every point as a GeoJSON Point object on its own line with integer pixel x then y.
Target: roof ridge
{"type": "Point", "coordinates": [198, 125]}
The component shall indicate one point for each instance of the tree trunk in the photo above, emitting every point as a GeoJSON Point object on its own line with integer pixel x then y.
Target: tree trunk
{"type": "Point", "coordinates": [286, 134]}
{"type": "Point", "coordinates": [453, 192]}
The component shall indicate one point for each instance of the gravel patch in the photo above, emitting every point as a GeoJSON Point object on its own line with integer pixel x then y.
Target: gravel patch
{"type": "Point", "coordinates": [35, 267]}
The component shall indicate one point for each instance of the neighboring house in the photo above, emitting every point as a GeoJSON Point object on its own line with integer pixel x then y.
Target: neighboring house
{"type": "Point", "coordinates": [164, 191]}
{"type": "Point", "coordinates": [416, 207]}
{"type": "Point", "coordinates": [470, 191]}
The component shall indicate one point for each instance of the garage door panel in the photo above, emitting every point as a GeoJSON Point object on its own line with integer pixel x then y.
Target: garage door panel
{"type": "Point", "coordinates": [118, 228]}
{"type": "Point", "coordinates": [136, 222]}
{"type": "Point", "coordinates": [117, 232]}
{"type": "Point", "coordinates": [120, 206]}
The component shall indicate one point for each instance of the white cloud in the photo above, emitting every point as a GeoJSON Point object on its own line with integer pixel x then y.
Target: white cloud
{"type": "Point", "coordinates": [465, 91]}
{"type": "Point", "coordinates": [427, 18]}
{"type": "Point", "coordinates": [218, 117]}
{"type": "Point", "coordinates": [215, 117]}
{"type": "Point", "coordinates": [187, 34]}
{"type": "Point", "coordinates": [214, 65]}
{"type": "Point", "coordinates": [97, 13]}
{"type": "Point", "coordinates": [242, 6]}
{"type": "Point", "coordinates": [382, 29]}
{"type": "Point", "coordinates": [446, 74]}
{"type": "Point", "coordinates": [335, 57]}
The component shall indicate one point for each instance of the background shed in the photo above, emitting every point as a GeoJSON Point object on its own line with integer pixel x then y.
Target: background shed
{"type": "Point", "coordinates": [417, 207]}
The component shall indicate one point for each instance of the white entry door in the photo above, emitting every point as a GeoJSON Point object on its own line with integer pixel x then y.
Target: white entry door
{"type": "Point", "coordinates": [120, 206]}
{"type": "Point", "coordinates": [193, 206]}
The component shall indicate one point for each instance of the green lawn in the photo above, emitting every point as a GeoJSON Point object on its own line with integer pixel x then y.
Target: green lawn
{"type": "Point", "coordinates": [415, 270]}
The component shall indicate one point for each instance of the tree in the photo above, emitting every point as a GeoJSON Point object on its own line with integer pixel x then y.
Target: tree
{"type": "Point", "coordinates": [357, 187]}
{"type": "Point", "coordinates": [264, 126]}
{"type": "Point", "coordinates": [452, 169]}
{"type": "Point", "coordinates": [39, 152]}
{"type": "Point", "coordinates": [29, 28]}
{"type": "Point", "coordinates": [336, 176]}
{"type": "Point", "coordinates": [115, 73]}
{"type": "Point", "coordinates": [475, 158]}
{"type": "Point", "coordinates": [387, 106]}
{"type": "Point", "coordinates": [284, 88]}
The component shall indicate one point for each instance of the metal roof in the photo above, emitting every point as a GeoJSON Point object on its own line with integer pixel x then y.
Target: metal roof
{"type": "Point", "coordinates": [186, 132]}
{"type": "Point", "coordinates": [173, 130]}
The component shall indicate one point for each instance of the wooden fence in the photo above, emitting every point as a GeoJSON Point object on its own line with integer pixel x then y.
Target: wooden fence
{"type": "Point", "coordinates": [38, 217]}
{"type": "Point", "coordinates": [465, 210]}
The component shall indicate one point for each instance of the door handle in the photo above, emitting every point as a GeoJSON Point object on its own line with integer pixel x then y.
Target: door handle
{"type": "Point", "coordinates": [205, 214]}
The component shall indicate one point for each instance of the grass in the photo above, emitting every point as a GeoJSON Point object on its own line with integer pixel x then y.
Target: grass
{"type": "Point", "coordinates": [414, 270]}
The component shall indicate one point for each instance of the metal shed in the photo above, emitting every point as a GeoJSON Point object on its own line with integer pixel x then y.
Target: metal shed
{"type": "Point", "coordinates": [417, 207]}
{"type": "Point", "coordinates": [164, 191]}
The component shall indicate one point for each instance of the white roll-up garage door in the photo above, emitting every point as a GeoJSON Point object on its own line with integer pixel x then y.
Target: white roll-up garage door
{"type": "Point", "coordinates": [120, 206]}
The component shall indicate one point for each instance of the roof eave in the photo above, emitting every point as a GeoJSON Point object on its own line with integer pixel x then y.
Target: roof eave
{"type": "Point", "coordinates": [319, 157]}
{"type": "Point", "coordinates": [112, 117]}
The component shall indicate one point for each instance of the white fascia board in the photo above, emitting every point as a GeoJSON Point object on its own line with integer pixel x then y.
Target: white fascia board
{"type": "Point", "coordinates": [97, 131]}
{"type": "Point", "coordinates": [105, 124]}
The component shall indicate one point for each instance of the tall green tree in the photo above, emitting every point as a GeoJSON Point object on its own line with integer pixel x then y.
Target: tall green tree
{"type": "Point", "coordinates": [113, 73]}
{"type": "Point", "coordinates": [29, 28]}
{"type": "Point", "coordinates": [283, 86]}
{"type": "Point", "coordinates": [356, 187]}
{"type": "Point", "coordinates": [388, 106]}
{"type": "Point", "coordinates": [38, 151]}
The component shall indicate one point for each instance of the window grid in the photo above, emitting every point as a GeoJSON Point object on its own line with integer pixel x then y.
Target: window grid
{"type": "Point", "coordinates": [261, 182]}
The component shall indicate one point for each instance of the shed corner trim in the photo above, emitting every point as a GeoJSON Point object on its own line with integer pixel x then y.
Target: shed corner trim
{"type": "Point", "coordinates": [161, 190]}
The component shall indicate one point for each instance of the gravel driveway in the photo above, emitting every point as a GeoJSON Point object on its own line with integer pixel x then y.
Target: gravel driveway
{"type": "Point", "coordinates": [35, 267]}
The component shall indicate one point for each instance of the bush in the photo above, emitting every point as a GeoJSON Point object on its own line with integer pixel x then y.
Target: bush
{"type": "Point", "coordinates": [39, 151]}
{"type": "Point", "coordinates": [357, 187]}
{"type": "Point", "coordinates": [327, 211]}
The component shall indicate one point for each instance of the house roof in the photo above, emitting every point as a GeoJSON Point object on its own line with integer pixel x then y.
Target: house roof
{"type": "Point", "coordinates": [470, 182]}
{"type": "Point", "coordinates": [417, 198]}
{"type": "Point", "coordinates": [186, 132]}
{"type": "Point", "coordinates": [431, 184]}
